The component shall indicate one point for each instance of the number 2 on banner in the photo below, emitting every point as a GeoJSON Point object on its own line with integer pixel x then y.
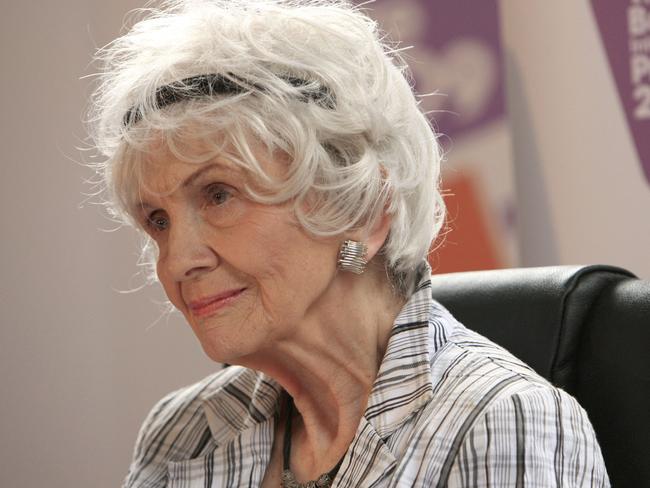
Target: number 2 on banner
{"type": "Point", "coordinates": [642, 95]}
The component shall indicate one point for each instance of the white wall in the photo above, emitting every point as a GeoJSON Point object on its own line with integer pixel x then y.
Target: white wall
{"type": "Point", "coordinates": [582, 196]}
{"type": "Point", "coordinates": [80, 363]}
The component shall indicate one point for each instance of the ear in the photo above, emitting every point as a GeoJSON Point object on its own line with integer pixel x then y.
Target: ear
{"type": "Point", "coordinates": [377, 233]}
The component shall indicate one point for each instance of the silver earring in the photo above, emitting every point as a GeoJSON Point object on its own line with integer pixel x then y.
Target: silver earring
{"type": "Point", "coordinates": [352, 257]}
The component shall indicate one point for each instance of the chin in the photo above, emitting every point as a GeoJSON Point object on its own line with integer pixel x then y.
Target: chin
{"type": "Point", "coordinates": [223, 350]}
{"type": "Point", "coordinates": [216, 357]}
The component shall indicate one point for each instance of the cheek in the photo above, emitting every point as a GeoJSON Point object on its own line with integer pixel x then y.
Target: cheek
{"type": "Point", "coordinates": [170, 287]}
{"type": "Point", "coordinates": [260, 248]}
{"type": "Point", "coordinates": [294, 269]}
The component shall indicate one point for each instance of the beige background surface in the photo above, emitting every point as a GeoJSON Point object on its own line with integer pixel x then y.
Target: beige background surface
{"type": "Point", "coordinates": [82, 364]}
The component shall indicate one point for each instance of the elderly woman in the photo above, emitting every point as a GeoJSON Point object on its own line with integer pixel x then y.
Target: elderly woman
{"type": "Point", "coordinates": [275, 156]}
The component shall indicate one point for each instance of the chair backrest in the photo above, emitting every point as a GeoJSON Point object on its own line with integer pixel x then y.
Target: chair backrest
{"type": "Point", "coordinates": [584, 328]}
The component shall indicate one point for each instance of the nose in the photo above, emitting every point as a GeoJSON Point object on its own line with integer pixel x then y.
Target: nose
{"type": "Point", "coordinates": [187, 253]}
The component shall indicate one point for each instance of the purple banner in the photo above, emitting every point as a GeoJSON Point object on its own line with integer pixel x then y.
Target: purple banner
{"type": "Point", "coordinates": [456, 53]}
{"type": "Point", "coordinates": [625, 31]}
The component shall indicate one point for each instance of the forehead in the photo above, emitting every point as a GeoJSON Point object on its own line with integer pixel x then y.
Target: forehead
{"type": "Point", "coordinates": [161, 173]}
{"type": "Point", "coordinates": [165, 167]}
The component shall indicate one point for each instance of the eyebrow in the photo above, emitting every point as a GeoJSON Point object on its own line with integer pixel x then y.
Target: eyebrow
{"type": "Point", "coordinates": [143, 205]}
{"type": "Point", "coordinates": [197, 174]}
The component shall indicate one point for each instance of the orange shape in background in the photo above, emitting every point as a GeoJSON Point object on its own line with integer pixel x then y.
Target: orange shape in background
{"type": "Point", "coordinates": [467, 243]}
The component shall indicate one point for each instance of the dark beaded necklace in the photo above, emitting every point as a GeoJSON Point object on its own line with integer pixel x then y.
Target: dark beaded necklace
{"type": "Point", "coordinates": [288, 478]}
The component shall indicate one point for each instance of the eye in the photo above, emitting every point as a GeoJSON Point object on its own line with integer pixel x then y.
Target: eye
{"type": "Point", "coordinates": [157, 221]}
{"type": "Point", "coordinates": [221, 204]}
{"type": "Point", "coordinates": [218, 193]}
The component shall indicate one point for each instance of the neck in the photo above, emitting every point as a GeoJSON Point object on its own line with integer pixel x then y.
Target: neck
{"type": "Point", "coordinates": [330, 362]}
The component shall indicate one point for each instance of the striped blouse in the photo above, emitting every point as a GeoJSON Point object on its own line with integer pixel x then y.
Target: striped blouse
{"type": "Point", "coordinates": [449, 408]}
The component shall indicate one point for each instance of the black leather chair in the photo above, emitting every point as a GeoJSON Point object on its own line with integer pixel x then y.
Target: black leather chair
{"type": "Point", "coordinates": [584, 328]}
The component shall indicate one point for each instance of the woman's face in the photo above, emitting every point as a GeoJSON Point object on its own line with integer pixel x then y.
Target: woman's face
{"type": "Point", "coordinates": [245, 275]}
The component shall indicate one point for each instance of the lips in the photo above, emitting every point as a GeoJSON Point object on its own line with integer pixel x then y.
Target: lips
{"type": "Point", "coordinates": [205, 306]}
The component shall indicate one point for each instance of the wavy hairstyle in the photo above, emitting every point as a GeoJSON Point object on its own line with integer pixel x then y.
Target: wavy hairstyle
{"type": "Point", "coordinates": [313, 79]}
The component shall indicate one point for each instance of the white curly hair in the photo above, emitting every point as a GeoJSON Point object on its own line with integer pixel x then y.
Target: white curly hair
{"type": "Point", "coordinates": [313, 79]}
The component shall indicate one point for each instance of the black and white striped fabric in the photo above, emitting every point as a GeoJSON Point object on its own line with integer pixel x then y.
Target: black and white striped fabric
{"type": "Point", "coordinates": [449, 408]}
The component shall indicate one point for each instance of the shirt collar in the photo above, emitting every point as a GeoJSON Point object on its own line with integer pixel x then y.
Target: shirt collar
{"type": "Point", "coordinates": [404, 383]}
{"type": "Point", "coordinates": [245, 398]}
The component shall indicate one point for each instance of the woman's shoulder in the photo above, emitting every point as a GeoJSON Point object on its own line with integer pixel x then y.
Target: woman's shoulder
{"type": "Point", "coordinates": [477, 373]}
{"type": "Point", "coordinates": [468, 355]}
{"type": "Point", "coordinates": [489, 412]}
{"type": "Point", "coordinates": [176, 428]}
{"type": "Point", "coordinates": [181, 410]}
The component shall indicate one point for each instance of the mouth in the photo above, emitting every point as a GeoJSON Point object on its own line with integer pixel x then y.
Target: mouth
{"type": "Point", "coordinates": [206, 306]}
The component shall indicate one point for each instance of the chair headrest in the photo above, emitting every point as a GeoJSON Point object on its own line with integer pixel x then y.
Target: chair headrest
{"type": "Point", "coordinates": [516, 308]}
